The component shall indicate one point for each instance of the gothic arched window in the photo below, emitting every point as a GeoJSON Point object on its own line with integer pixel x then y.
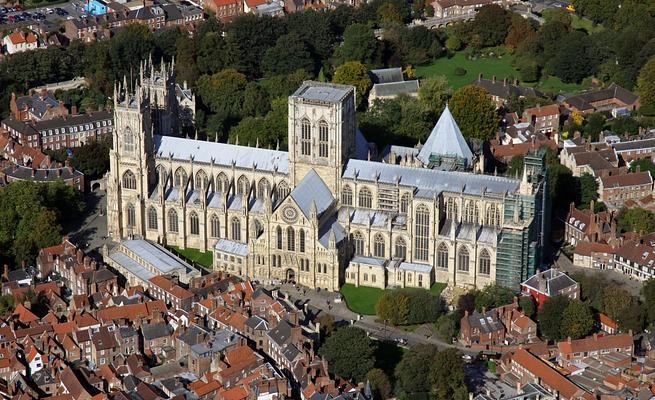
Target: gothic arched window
{"type": "Point", "coordinates": [347, 196]}
{"type": "Point", "coordinates": [358, 243]}
{"type": "Point", "coordinates": [400, 248]}
{"type": "Point", "coordinates": [364, 198]}
{"type": "Point", "coordinates": [493, 215]}
{"type": "Point", "coordinates": [221, 183]}
{"type": "Point", "coordinates": [180, 177]}
{"type": "Point", "coordinates": [128, 140]}
{"type": "Point", "coordinates": [442, 256]}
{"type": "Point", "coordinates": [378, 246]}
{"type": "Point", "coordinates": [129, 180]}
{"type": "Point", "coordinates": [404, 203]}
{"type": "Point", "coordinates": [301, 238]}
{"type": "Point", "coordinates": [282, 190]}
{"type": "Point", "coordinates": [485, 263]}
{"type": "Point", "coordinates": [236, 229]}
{"type": "Point", "coordinates": [131, 215]}
{"type": "Point", "coordinates": [305, 138]}
{"type": "Point", "coordinates": [451, 209]}
{"type": "Point", "coordinates": [257, 228]}
{"type": "Point", "coordinates": [463, 259]}
{"type": "Point", "coordinates": [201, 180]}
{"type": "Point", "coordinates": [152, 218]}
{"type": "Point", "coordinates": [322, 139]}
{"type": "Point", "coordinates": [422, 233]}
{"type": "Point", "coordinates": [243, 185]}
{"type": "Point", "coordinates": [172, 220]}
{"type": "Point", "coordinates": [215, 224]}
{"type": "Point", "coordinates": [195, 223]}
{"type": "Point", "coordinates": [291, 239]}
{"type": "Point", "coordinates": [161, 175]}
{"type": "Point", "coordinates": [278, 234]}
{"type": "Point", "coordinates": [263, 188]}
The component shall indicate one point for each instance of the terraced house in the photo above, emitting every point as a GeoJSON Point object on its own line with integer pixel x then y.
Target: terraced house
{"type": "Point", "coordinates": [305, 213]}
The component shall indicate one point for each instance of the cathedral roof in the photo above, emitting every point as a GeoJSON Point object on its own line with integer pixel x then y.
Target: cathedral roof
{"type": "Point", "coordinates": [312, 189]}
{"type": "Point", "coordinates": [445, 139]}
{"type": "Point", "coordinates": [221, 153]}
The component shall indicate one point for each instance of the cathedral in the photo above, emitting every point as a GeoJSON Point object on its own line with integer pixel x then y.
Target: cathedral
{"type": "Point", "coordinates": [324, 212]}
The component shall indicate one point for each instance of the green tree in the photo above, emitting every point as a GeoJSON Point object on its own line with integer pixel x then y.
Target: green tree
{"type": "Point", "coordinates": [594, 126]}
{"type": "Point", "coordinates": [453, 43]}
{"type": "Point", "coordinates": [520, 30]}
{"type": "Point", "coordinates": [389, 13]}
{"type": "Point", "coordinates": [223, 93]}
{"type": "Point", "coordinates": [289, 54]}
{"type": "Point", "coordinates": [6, 304]}
{"type": "Point", "coordinates": [268, 131]}
{"type": "Point", "coordinates": [527, 306]}
{"type": "Point", "coordinates": [573, 60]}
{"type": "Point", "coordinates": [380, 384]}
{"type": "Point", "coordinates": [491, 24]}
{"type": "Point", "coordinates": [646, 88]}
{"type": "Point", "coordinates": [635, 219]}
{"type": "Point", "coordinates": [550, 317]}
{"type": "Point", "coordinates": [474, 112]}
{"type": "Point", "coordinates": [447, 375]}
{"type": "Point", "coordinates": [349, 353]}
{"type": "Point", "coordinates": [409, 306]}
{"type": "Point", "coordinates": [434, 93]}
{"type": "Point", "coordinates": [625, 124]}
{"type": "Point", "coordinates": [446, 327]}
{"type": "Point", "coordinates": [493, 295]}
{"type": "Point", "coordinates": [326, 322]}
{"type": "Point", "coordinates": [356, 74]}
{"type": "Point", "coordinates": [588, 190]}
{"type": "Point", "coordinates": [515, 166]}
{"type": "Point", "coordinates": [255, 100]}
{"type": "Point", "coordinates": [648, 293]}
{"type": "Point", "coordinates": [414, 368]}
{"type": "Point", "coordinates": [359, 44]}
{"type": "Point", "coordinates": [577, 320]}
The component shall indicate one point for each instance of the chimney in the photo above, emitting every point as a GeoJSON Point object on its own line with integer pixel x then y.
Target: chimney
{"type": "Point", "coordinates": [74, 110]}
{"type": "Point", "coordinates": [44, 93]}
{"type": "Point", "coordinates": [504, 81]}
{"type": "Point", "coordinates": [638, 169]}
{"type": "Point", "coordinates": [568, 339]}
{"type": "Point", "coordinates": [33, 172]}
{"type": "Point", "coordinates": [480, 76]}
{"type": "Point", "coordinates": [493, 78]}
{"type": "Point", "coordinates": [80, 256]}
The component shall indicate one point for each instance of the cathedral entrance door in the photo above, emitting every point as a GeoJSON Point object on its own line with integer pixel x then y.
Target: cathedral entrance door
{"type": "Point", "coordinates": [291, 275]}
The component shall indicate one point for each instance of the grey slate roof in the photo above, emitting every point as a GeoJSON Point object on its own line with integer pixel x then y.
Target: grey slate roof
{"type": "Point", "coordinates": [386, 75]}
{"type": "Point", "coordinates": [369, 260]}
{"type": "Point", "coordinates": [18, 275]}
{"type": "Point", "coordinates": [552, 280]}
{"type": "Point", "coordinates": [395, 88]}
{"type": "Point", "coordinates": [36, 103]}
{"type": "Point", "coordinates": [310, 190]}
{"type": "Point", "coordinates": [256, 322]}
{"type": "Point", "coordinates": [634, 144]}
{"type": "Point", "coordinates": [504, 89]}
{"type": "Point", "coordinates": [445, 139]}
{"type": "Point", "coordinates": [157, 330]}
{"type": "Point", "coordinates": [232, 247]}
{"type": "Point", "coordinates": [74, 120]}
{"type": "Point", "coordinates": [324, 231]}
{"type": "Point", "coordinates": [156, 255]}
{"type": "Point", "coordinates": [22, 173]}
{"type": "Point", "coordinates": [222, 154]}
{"type": "Point", "coordinates": [431, 180]}
{"type": "Point", "coordinates": [322, 92]}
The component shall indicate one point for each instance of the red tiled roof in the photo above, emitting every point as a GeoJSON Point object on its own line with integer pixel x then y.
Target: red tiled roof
{"type": "Point", "coordinates": [24, 315]}
{"type": "Point", "coordinates": [540, 111]}
{"type": "Point", "coordinates": [607, 321]}
{"type": "Point", "coordinates": [19, 37]}
{"type": "Point", "coordinates": [586, 248]}
{"type": "Point", "coordinates": [596, 342]}
{"type": "Point", "coordinates": [632, 179]}
{"type": "Point", "coordinates": [237, 393]}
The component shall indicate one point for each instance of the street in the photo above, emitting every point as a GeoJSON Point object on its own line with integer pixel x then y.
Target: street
{"type": "Point", "coordinates": [41, 15]}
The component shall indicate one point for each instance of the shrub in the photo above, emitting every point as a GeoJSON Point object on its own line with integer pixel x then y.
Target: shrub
{"type": "Point", "coordinates": [459, 71]}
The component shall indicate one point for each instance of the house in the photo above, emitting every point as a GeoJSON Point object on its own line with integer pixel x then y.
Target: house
{"type": "Point", "coordinates": [156, 336]}
{"type": "Point", "coordinates": [454, 8]}
{"type": "Point", "coordinates": [545, 119]}
{"type": "Point", "coordinates": [614, 190]}
{"type": "Point", "coordinates": [596, 346]}
{"type": "Point", "coordinates": [606, 324]}
{"type": "Point", "coordinates": [638, 149]}
{"type": "Point", "coordinates": [589, 226]}
{"type": "Point", "coordinates": [504, 325]}
{"type": "Point", "coordinates": [597, 159]}
{"type": "Point", "coordinates": [500, 90]}
{"type": "Point", "coordinates": [163, 288]}
{"type": "Point", "coordinates": [389, 83]}
{"type": "Point", "coordinates": [594, 255]}
{"type": "Point", "coordinates": [35, 106]}
{"type": "Point", "coordinates": [613, 98]}
{"type": "Point", "coordinates": [224, 10]}
{"type": "Point", "coordinates": [34, 359]}
{"type": "Point", "coordinates": [550, 283]}
{"type": "Point", "coordinates": [18, 42]}
{"type": "Point", "coordinates": [104, 346]}
{"type": "Point", "coordinates": [636, 258]}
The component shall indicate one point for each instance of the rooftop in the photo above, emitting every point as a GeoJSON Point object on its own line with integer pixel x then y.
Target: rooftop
{"type": "Point", "coordinates": [322, 92]}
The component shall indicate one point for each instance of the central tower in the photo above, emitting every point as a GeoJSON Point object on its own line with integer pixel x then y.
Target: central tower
{"type": "Point", "coordinates": [321, 131]}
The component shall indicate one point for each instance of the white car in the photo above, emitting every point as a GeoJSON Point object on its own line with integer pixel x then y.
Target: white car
{"type": "Point", "coordinates": [467, 357]}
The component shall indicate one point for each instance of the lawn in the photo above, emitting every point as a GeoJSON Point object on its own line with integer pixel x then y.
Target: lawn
{"type": "Point", "coordinates": [204, 259]}
{"type": "Point", "coordinates": [361, 299]}
{"type": "Point", "coordinates": [437, 288]}
{"type": "Point", "coordinates": [500, 67]}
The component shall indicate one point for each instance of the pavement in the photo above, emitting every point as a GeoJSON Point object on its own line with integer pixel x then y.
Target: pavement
{"type": "Point", "coordinates": [90, 230]}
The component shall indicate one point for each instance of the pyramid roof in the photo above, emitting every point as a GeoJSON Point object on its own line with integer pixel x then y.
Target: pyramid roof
{"type": "Point", "coordinates": [445, 139]}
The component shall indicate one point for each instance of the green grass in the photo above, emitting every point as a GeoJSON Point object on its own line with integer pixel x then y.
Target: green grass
{"type": "Point", "coordinates": [361, 299]}
{"type": "Point", "coordinates": [500, 67]}
{"type": "Point", "coordinates": [583, 23]}
{"type": "Point", "coordinates": [491, 366]}
{"type": "Point", "coordinates": [437, 288]}
{"type": "Point", "coordinates": [204, 259]}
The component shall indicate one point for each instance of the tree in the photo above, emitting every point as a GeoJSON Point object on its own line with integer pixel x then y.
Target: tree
{"type": "Point", "coordinates": [515, 166]}
{"type": "Point", "coordinates": [223, 94]}
{"type": "Point", "coordinates": [380, 385]}
{"type": "Point", "coordinates": [389, 13]}
{"type": "Point", "coordinates": [527, 306]}
{"type": "Point", "coordinates": [359, 44]}
{"type": "Point", "coordinates": [326, 322]}
{"type": "Point", "coordinates": [446, 327]}
{"type": "Point", "coordinates": [550, 317]}
{"type": "Point", "coordinates": [429, 11]}
{"type": "Point", "coordinates": [289, 54]}
{"type": "Point", "coordinates": [595, 125]}
{"type": "Point", "coordinates": [408, 306]}
{"type": "Point", "coordinates": [453, 43]}
{"type": "Point", "coordinates": [588, 190]}
{"type": "Point", "coordinates": [519, 30]}
{"type": "Point", "coordinates": [572, 60]}
{"type": "Point", "coordinates": [625, 124]}
{"type": "Point", "coordinates": [434, 93]}
{"type": "Point", "coordinates": [492, 296]}
{"type": "Point", "coordinates": [356, 74]}
{"type": "Point", "coordinates": [624, 308]}
{"type": "Point", "coordinates": [646, 87]}
{"type": "Point", "coordinates": [635, 219]}
{"type": "Point", "coordinates": [447, 375]}
{"type": "Point", "coordinates": [349, 353]}
{"type": "Point", "coordinates": [255, 101]}
{"type": "Point", "coordinates": [648, 293]}
{"type": "Point", "coordinates": [414, 368]}
{"type": "Point", "coordinates": [491, 25]}
{"type": "Point", "coordinates": [268, 131]}
{"type": "Point", "coordinates": [6, 304]}
{"type": "Point", "coordinates": [474, 112]}
{"type": "Point", "coordinates": [577, 320]}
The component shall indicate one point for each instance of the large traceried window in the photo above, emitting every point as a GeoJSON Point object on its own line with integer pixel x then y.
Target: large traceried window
{"type": "Point", "coordinates": [243, 186]}
{"type": "Point", "coordinates": [471, 212]}
{"type": "Point", "coordinates": [404, 203]}
{"type": "Point", "coordinates": [378, 246]}
{"type": "Point", "coordinates": [172, 220]}
{"type": "Point", "coordinates": [278, 234]}
{"type": "Point", "coordinates": [347, 196]}
{"type": "Point", "coordinates": [128, 140]}
{"type": "Point", "coordinates": [215, 225]}
{"type": "Point", "coordinates": [129, 180]}
{"type": "Point", "coordinates": [301, 237]}
{"type": "Point", "coordinates": [364, 198]}
{"type": "Point", "coordinates": [400, 248]}
{"type": "Point", "coordinates": [180, 177]}
{"type": "Point", "coordinates": [221, 183]}
{"type": "Point", "coordinates": [201, 180]}
{"type": "Point", "coordinates": [323, 139]}
{"type": "Point", "coordinates": [131, 215]}
{"type": "Point", "coordinates": [485, 263]}
{"type": "Point", "coordinates": [195, 223]}
{"type": "Point", "coordinates": [358, 243]}
{"type": "Point", "coordinates": [493, 215]}
{"type": "Point", "coordinates": [161, 175]}
{"type": "Point", "coordinates": [463, 259]}
{"type": "Point", "coordinates": [236, 229]}
{"type": "Point", "coordinates": [451, 209]}
{"type": "Point", "coordinates": [422, 233]}
{"type": "Point", "coordinates": [291, 239]}
{"type": "Point", "coordinates": [442, 256]}
{"type": "Point", "coordinates": [152, 218]}
{"type": "Point", "coordinates": [305, 138]}
{"type": "Point", "coordinates": [282, 190]}
{"type": "Point", "coordinates": [263, 188]}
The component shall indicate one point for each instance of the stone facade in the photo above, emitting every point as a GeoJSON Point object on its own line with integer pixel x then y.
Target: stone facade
{"type": "Point", "coordinates": [304, 214]}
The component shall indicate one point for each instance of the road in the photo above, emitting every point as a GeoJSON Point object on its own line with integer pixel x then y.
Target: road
{"type": "Point", "coordinates": [90, 230]}
{"type": "Point", "coordinates": [73, 10]}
